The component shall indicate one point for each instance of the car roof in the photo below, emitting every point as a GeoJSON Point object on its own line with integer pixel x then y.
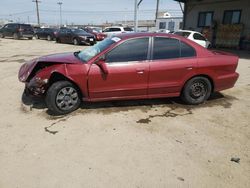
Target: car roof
{"type": "Point", "coordinates": [190, 31]}
{"type": "Point", "coordinates": [146, 34]}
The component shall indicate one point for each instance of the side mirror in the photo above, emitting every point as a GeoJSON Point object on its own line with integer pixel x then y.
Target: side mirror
{"type": "Point", "coordinates": [101, 63]}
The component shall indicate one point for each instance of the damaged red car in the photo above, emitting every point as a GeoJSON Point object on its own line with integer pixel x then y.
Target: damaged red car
{"type": "Point", "coordinates": [130, 66]}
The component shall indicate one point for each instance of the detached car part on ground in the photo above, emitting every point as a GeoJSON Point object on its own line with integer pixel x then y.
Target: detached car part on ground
{"type": "Point", "coordinates": [130, 66]}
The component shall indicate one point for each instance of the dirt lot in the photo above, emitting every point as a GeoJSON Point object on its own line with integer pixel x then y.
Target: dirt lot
{"type": "Point", "coordinates": [147, 143]}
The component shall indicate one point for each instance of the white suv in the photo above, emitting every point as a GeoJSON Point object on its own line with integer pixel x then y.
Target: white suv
{"type": "Point", "coordinates": [109, 31]}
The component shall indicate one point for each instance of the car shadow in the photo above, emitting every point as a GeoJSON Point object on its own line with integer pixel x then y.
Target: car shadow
{"type": "Point", "coordinates": [125, 105]}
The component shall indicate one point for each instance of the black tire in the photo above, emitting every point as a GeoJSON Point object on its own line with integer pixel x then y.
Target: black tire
{"type": "Point", "coordinates": [196, 90]}
{"type": "Point", "coordinates": [30, 38]}
{"type": "Point", "coordinates": [58, 40]}
{"type": "Point", "coordinates": [16, 36]}
{"type": "Point", "coordinates": [62, 98]}
{"type": "Point", "coordinates": [1, 35]}
{"type": "Point", "coordinates": [49, 38]}
{"type": "Point", "coordinates": [75, 41]}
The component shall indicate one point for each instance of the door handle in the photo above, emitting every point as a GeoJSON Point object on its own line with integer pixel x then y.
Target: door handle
{"type": "Point", "coordinates": [189, 68]}
{"type": "Point", "coordinates": [140, 71]}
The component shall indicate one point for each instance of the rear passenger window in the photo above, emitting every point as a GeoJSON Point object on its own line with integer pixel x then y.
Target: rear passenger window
{"type": "Point", "coordinates": [187, 51]}
{"type": "Point", "coordinates": [166, 48]}
{"type": "Point", "coordinates": [115, 29]}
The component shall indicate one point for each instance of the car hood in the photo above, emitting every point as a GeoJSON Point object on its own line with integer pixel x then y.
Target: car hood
{"type": "Point", "coordinates": [63, 58]}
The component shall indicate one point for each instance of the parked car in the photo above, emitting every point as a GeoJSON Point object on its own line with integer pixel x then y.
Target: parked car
{"type": "Point", "coordinates": [17, 31]}
{"type": "Point", "coordinates": [46, 33]}
{"type": "Point", "coordinates": [75, 36]}
{"type": "Point", "coordinates": [194, 36]}
{"type": "Point", "coordinates": [109, 31]}
{"type": "Point", "coordinates": [130, 66]}
{"type": "Point", "coordinates": [162, 31]}
{"type": "Point", "coordinates": [95, 31]}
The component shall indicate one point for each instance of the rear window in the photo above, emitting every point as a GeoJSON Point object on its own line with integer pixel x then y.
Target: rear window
{"type": "Point", "coordinates": [128, 29]}
{"type": "Point", "coordinates": [187, 51]}
{"type": "Point", "coordinates": [184, 34]}
{"type": "Point", "coordinates": [199, 37]}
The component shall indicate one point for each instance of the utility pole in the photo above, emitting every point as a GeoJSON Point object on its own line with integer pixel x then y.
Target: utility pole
{"type": "Point", "coordinates": [60, 4]}
{"type": "Point", "coordinates": [135, 17]}
{"type": "Point", "coordinates": [135, 14]}
{"type": "Point", "coordinates": [37, 11]}
{"type": "Point", "coordinates": [157, 9]}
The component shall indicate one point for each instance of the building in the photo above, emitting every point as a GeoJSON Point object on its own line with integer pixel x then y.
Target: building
{"type": "Point", "coordinates": [165, 21]}
{"type": "Point", "coordinates": [225, 22]}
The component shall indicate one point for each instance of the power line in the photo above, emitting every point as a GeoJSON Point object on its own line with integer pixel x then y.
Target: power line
{"type": "Point", "coordinates": [37, 10]}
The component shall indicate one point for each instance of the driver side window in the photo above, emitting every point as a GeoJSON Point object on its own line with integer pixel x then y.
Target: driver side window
{"type": "Point", "coordinates": [130, 50]}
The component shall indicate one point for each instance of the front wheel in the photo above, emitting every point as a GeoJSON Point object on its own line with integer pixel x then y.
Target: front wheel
{"type": "Point", "coordinates": [196, 90]}
{"type": "Point", "coordinates": [16, 36]}
{"type": "Point", "coordinates": [62, 98]}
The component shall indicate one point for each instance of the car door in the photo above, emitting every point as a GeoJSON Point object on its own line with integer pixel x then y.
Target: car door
{"type": "Point", "coordinates": [128, 71]}
{"type": "Point", "coordinates": [68, 36]}
{"type": "Point", "coordinates": [199, 39]}
{"type": "Point", "coordinates": [172, 62]}
{"type": "Point", "coordinates": [8, 30]}
{"type": "Point", "coordinates": [62, 35]}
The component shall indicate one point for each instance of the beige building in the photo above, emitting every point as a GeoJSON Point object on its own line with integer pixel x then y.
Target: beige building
{"type": "Point", "coordinates": [230, 16]}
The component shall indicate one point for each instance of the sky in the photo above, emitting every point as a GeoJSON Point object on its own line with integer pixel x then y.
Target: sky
{"type": "Point", "coordinates": [82, 11]}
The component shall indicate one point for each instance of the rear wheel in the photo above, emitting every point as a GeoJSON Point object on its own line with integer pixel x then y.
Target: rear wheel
{"type": "Point", "coordinates": [30, 38]}
{"type": "Point", "coordinates": [16, 36]}
{"type": "Point", "coordinates": [49, 38]}
{"type": "Point", "coordinates": [196, 90]}
{"type": "Point", "coordinates": [1, 35]}
{"type": "Point", "coordinates": [62, 98]}
{"type": "Point", "coordinates": [75, 41]}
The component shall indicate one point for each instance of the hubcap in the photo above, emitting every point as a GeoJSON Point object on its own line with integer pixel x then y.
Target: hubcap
{"type": "Point", "coordinates": [198, 89]}
{"type": "Point", "coordinates": [66, 98]}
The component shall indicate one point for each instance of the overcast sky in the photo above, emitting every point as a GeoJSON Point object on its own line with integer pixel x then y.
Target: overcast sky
{"type": "Point", "coordinates": [82, 11]}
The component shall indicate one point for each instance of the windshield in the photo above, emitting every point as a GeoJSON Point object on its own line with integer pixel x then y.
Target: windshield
{"type": "Point", "coordinates": [78, 31]}
{"type": "Point", "coordinates": [92, 51]}
{"type": "Point", "coordinates": [96, 30]}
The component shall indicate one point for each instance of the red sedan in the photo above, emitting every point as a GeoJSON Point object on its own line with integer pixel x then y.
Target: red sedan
{"type": "Point", "coordinates": [130, 66]}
